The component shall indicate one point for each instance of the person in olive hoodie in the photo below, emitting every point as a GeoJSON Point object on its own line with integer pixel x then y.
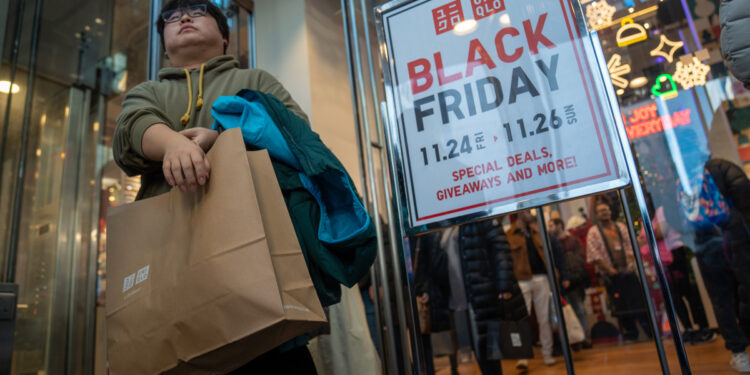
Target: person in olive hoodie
{"type": "Point", "coordinates": [163, 131]}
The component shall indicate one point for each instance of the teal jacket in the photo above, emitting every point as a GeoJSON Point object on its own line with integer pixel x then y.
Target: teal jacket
{"type": "Point", "coordinates": [336, 235]}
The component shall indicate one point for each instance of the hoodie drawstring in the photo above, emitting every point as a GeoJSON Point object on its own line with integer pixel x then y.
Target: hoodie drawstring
{"type": "Point", "coordinates": [199, 102]}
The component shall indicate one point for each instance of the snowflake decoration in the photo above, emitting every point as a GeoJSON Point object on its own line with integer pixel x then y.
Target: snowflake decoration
{"type": "Point", "coordinates": [599, 14]}
{"type": "Point", "coordinates": [692, 74]}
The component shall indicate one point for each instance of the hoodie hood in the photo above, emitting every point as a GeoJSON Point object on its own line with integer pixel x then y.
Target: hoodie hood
{"type": "Point", "coordinates": [216, 65]}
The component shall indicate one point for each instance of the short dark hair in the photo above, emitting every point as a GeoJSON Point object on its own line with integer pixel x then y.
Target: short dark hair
{"type": "Point", "coordinates": [212, 9]}
{"type": "Point", "coordinates": [558, 221]}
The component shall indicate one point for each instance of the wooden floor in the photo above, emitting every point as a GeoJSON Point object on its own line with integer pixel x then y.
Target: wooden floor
{"type": "Point", "coordinates": [611, 359]}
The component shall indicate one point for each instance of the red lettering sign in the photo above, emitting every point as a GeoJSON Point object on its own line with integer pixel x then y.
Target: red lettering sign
{"type": "Point", "coordinates": [446, 16]}
{"type": "Point", "coordinates": [645, 121]}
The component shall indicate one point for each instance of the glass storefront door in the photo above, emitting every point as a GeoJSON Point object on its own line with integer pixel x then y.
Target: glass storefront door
{"type": "Point", "coordinates": [685, 118]}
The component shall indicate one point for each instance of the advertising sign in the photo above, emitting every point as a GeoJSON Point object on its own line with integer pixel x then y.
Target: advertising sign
{"type": "Point", "coordinates": [495, 105]}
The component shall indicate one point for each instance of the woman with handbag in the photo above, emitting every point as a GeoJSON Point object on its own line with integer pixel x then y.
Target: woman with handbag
{"type": "Point", "coordinates": [469, 268]}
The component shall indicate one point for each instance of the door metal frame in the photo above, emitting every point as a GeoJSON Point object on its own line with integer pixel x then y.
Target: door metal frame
{"type": "Point", "coordinates": [619, 134]}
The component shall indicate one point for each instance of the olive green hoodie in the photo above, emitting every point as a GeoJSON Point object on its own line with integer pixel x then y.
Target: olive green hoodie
{"type": "Point", "coordinates": [182, 99]}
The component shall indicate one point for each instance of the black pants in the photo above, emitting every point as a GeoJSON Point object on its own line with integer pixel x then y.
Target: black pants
{"type": "Point", "coordinates": [624, 290]}
{"type": "Point", "coordinates": [429, 359]}
{"type": "Point", "coordinates": [297, 361]}
{"type": "Point", "coordinates": [722, 288]}
{"type": "Point", "coordinates": [679, 282]}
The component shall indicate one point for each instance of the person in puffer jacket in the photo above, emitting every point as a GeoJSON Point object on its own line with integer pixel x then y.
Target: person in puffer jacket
{"type": "Point", "coordinates": [470, 267]}
{"type": "Point", "coordinates": [727, 275]}
{"type": "Point", "coordinates": [735, 38]}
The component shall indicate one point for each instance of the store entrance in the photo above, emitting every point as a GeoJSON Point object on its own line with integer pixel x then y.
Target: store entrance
{"type": "Point", "coordinates": [639, 307]}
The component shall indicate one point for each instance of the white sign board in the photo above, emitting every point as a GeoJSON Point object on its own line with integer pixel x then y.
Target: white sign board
{"type": "Point", "coordinates": [495, 106]}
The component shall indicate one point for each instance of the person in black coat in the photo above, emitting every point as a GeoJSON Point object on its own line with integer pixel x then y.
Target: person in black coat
{"type": "Point", "coordinates": [723, 254]}
{"type": "Point", "coordinates": [470, 267]}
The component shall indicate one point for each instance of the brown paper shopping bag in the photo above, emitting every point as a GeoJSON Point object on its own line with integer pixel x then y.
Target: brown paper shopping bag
{"type": "Point", "coordinates": [204, 282]}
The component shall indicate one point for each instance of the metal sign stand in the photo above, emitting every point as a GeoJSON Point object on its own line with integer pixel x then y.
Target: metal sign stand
{"type": "Point", "coordinates": [555, 287]}
{"type": "Point", "coordinates": [651, 236]}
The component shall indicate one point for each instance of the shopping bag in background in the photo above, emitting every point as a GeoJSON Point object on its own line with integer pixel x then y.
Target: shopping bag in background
{"type": "Point", "coordinates": [576, 333]}
{"type": "Point", "coordinates": [516, 339]}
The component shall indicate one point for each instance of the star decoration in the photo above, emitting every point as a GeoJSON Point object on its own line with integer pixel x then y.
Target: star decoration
{"type": "Point", "coordinates": [599, 13]}
{"type": "Point", "coordinates": [616, 70]}
{"type": "Point", "coordinates": [692, 74]}
{"type": "Point", "coordinates": [673, 47]}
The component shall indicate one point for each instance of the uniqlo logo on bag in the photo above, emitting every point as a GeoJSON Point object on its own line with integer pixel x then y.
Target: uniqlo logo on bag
{"type": "Point", "coordinates": [484, 8]}
{"type": "Point", "coordinates": [142, 275]}
{"type": "Point", "coordinates": [128, 282]}
{"type": "Point", "coordinates": [515, 340]}
{"type": "Point", "coordinates": [446, 16]}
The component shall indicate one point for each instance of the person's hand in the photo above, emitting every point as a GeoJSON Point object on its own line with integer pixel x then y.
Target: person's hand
{"type": "Point", "coordinates": [202, 136]}
{"type": "Point", "coordinates": [566, 284]}
{"type": "Point", "coordinates": [505, 295]}
{"type": "Point", "coordinates": [424, 298]}
{"type": "Point", "coordinates": [185, 164]}
{"type": "Point", "coordinates": [612, 271]}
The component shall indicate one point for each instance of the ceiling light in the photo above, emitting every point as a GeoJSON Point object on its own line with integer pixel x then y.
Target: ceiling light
{"type": "Point", "coordinates": [6, 87]}
{"type": "Point", "coordinates": [620, 92]}
{"type": "Point", "coordinates": [465, 27]}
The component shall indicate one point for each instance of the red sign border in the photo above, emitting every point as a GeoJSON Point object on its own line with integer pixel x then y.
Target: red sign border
{"type": "Point", "coordinates": [596, 123]}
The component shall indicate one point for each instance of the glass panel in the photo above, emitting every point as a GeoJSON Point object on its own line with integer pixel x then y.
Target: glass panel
{"type": "Point", "coordinates": [36, 267]}
{"type": "Point", "coordinates": [685, 117]}
{"type": "Point", "coordinates": [52, 329]}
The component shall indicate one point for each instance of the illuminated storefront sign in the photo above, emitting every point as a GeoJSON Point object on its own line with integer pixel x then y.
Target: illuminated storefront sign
{"type": "Point", "coordinates": [617, 70]}
{"type": "Point", "coordinates": [630, 33]}
{"type": "Point", "coordinates": [668, 53]}
{"type": "Point", "coordinates": [645, 120]}
{"type": "Point", "coordinates": [665, 87]}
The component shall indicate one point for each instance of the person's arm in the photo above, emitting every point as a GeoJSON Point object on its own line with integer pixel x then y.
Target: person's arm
{"type": "Point", "coordinates": [735, 28]}
{"type": "Point", "coordinates": [594, 251]}
{"type": "Point", "coordinates": [140, 110]}
{"type": "Point", "coordinates": [498, 250]}
{"type": "Point", "coordinates": [421, 273]}
{"type": "Point", "coordinates": [144, 142]}
{"type": "Point", "coordinates": [184, 163]}
{"type": "Point", "coordinates": [560, 262]}
{"type": "Point", "coordinates": [738, 188]}
{"type": "Point", "coordinates": [606, 267]}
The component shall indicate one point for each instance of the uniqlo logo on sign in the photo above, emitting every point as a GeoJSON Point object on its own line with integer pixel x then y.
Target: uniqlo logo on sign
{"type": "Point", "coordinates": [484, 8]}
{"type": "Point", "coordinates": [447, 16]}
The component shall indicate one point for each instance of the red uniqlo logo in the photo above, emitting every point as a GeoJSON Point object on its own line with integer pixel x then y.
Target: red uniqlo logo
{"type": "Point", "coordinates": [447, 16]}
{"type": "Point", "coordinates": [484, 8]}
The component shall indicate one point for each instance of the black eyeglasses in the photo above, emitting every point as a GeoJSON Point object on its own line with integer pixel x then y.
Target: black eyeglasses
{"type": "Point", "coordinates": [193, 11]}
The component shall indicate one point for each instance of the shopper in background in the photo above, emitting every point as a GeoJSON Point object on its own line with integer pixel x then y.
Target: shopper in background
{"type": "Point", "coordinates": [575, 258]}
{"type": "Point", "coordinates": [531, 272]}
{"type": "Point", "coordinates": [469, 268]}
{"type": "Point", "coordinates": [608, 246]}
{"type": "Point", "coordinates": [722, 241]}
{"type": "Point", "coordinates": [674, 257]}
